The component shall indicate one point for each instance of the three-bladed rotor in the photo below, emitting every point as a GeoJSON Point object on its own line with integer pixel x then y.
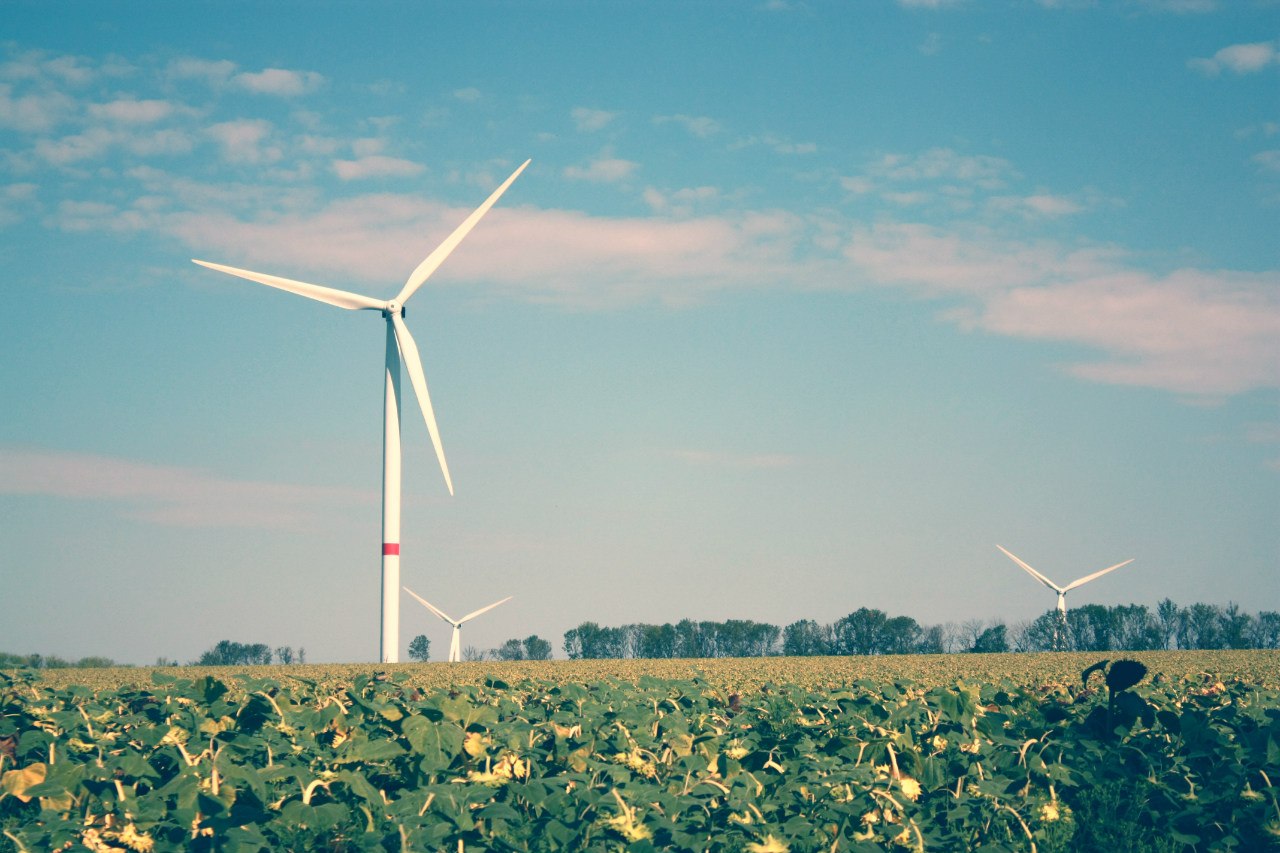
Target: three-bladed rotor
{"type": "Point", "coordinates": [1062, 590]}
{"type": "Point", "coordinates": [392, 310]}
{"type": "Point", "coordinates": [455, 642]}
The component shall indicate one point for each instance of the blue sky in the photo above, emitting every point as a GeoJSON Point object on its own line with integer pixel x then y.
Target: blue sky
{"type": "Point", "coordinates": [800, 307]}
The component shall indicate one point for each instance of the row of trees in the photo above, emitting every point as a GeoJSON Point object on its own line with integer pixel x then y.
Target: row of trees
{"type": "Point", "coordinates": [12, 661]}
{"type": "Point", "coordinates": [532, 647]}
{"type": "Point", "coordinates": [867, 631]}
{"type": "Point", "coordinates": [231, 653]}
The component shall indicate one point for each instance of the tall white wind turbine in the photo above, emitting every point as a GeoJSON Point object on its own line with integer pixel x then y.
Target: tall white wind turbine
{"type": "Point", "coordinates": [455, 644]}
{"type": "Point", "coordinates": [1062, 590]}
{"type": "Point", "coordinates": [400, 347]}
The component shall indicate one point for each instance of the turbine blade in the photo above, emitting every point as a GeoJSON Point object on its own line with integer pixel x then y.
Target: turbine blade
{"type": "Point", "coordinates": [1084, 580]}
{"type": "Point", "coordinates": [1044, 580]}
{"type": "Point", "coordinates": [413, 363]}
{"type": "Point", "coordinates": [476, 613]}
{"type": "Point", "coordinates": [427, 604]}
{"type": "Point", "coordinates": [341, 298]}
{"type": "Point", "coordinates": [436, 258]}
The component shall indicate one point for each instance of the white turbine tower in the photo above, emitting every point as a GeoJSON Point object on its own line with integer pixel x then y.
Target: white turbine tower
{"type": "Point", "coordinates": [455, 644]}
{"type": "Point", "coordinates": [1062, 590]}
{"type": "Point", "coordinates": [400, 347]}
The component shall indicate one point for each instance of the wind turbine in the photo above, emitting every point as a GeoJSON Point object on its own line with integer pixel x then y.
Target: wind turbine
{"type": "Point", "coordinates": [1062, 590]}
{"type": "Point", "coordinates": [455, 644]}
{"type": "Point", "coordinates": [400, 347]}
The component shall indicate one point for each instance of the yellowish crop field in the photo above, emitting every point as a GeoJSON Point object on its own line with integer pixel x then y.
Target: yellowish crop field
{"type": "Point", "coordinates": [1259, 667]}
{"type": "Point", "coordinates": [1168, 751]}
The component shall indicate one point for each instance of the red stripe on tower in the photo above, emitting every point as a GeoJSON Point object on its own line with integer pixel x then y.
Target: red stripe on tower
{"type": "Point", "coordinates": [391, 549]}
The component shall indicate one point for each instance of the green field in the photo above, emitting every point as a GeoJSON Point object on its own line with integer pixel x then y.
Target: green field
{"type": "Point", "coordinates": [920, 752]}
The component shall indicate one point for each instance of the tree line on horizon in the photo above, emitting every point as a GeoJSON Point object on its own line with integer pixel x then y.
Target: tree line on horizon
{"type": "Point", "coordinates": [868, 631]}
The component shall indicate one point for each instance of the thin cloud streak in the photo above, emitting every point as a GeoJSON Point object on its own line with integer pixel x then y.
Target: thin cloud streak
{"type": "Point", "coordinates": [172, 496]}
{"type": "Point", "coordinates": [1196, 332]}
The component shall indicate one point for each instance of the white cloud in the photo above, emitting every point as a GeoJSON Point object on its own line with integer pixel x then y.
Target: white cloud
{"type": "Point", "coordinates": [931, 45]}
{"type": "Point", "coordinates": [1239, 58]}
{"type": "Point", "coordinates": [780, 144]}
{"type": "Point", "coordinates": [1269, 161]}
{"type": "Point", "coordinates": [213, 72]}
{"type": "Point", "coordinates": [907, 199]}
{"type": "Point", "coordinates": [604, 170]}
{"type": "Point", "coordinates": [95, 216]}
{"type": "Point", "coordinates": [1194, 332]}
{"type": "Point", "coordinates": [857, 185]}
{"type": "Point", "coordinates": [164, 141]}
{"type": "Point", "coordinates": [1042, 205]}
{"type": "Point", "coordinates": [131, 111]}
{"type": "Point", "coordinates": [35, 113]}
{"type": "Point", "coordinates": [589, 120]}
{"type": "Point", "coordinates": [550, 256]}
{"type": "Point", "coordinates": [375, 166]}
{"type": "Point", "coordinates": [944, 164]}
{"type": "Point", "coordinates": [681, 202]}
{"type": "Point", "coordinates": [16, 200]}
{"type": "Point", "coordinates": [468, 95]}
{"type": "Point", "coordinates": [700, 126]}
{"type": "Point", "coordinates": [279, 81]}
{"type": "Point", "coordinates": [242, 141]}
{"type": "Point", "coordinates": [928, 4]}
{"type": "Point", "coordinates": [171, 496]}
{"type": "Point", "coordinates": [91, 144]}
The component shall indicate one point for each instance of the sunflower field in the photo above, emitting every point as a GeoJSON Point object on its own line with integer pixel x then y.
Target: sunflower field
{"type": "Point", "coordinates": [1002, 752]}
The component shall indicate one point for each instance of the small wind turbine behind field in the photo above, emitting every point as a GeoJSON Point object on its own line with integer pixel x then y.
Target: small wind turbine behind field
{"type": "Point", "coordinates": [1062, 590]}
{"type": "Point", "coordinates": [400, 347]}
{"type": "Point", "coordinates": [455, 644]}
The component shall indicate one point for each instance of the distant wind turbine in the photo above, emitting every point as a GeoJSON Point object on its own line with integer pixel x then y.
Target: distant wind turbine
{"type": "Point", "coordinates": [455, 644]}
{"type": "Point", "coordinates": [400, 347]}
{"type": "Point", "coordinates": [1062, 590]}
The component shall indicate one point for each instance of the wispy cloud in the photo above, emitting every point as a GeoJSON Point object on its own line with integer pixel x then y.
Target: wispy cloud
{"type": "Point", "coordinates": [1194, 332]}
{"type": "Point", "coordinates": [376, 166]}
{"type": "Point", "coordinates": [605, 170]}
{"type": "Point", "coordinates": [33, 113]}
{"type": "Point", "coordinates": [131, 111]}
{"type": "Point", "coordinates": [245, 141]}
{"type": "Point", "coordinates": [168, 495]}
{"type": "Point", "coordinates": [590, 120]}
{"type": "Point", "coordinates": [281, 82]}
{"type": "Point", "coordinates": [779, 144]}
{"type": "Point", "coordinates": [16, 200]}
{"type": "Point", "coordinates": [939, 164]}
{"type": "Point", "coordinates": [680, 202]}
{"type": "Point", "coordinates": [700, 126]}
{"type": "Point", "coordinates": [1239, 58]}
{"type": "Point", "coordinates": [212, 71]}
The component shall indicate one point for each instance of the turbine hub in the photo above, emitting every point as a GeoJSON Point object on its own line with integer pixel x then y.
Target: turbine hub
{"type": "Point", "coordinates": [393, 308]}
